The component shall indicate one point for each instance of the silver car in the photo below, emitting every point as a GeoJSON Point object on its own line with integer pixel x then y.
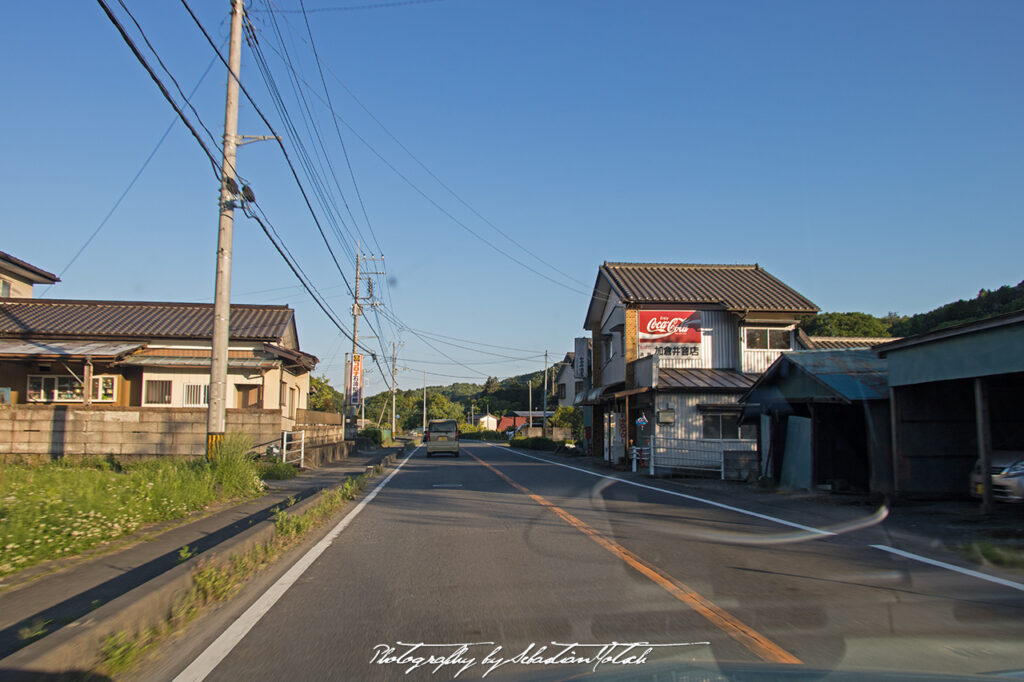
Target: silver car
{"type": "Point", "coordinates": [1007, 476]}
{"type": "Point", "coordinates": [442, 436]}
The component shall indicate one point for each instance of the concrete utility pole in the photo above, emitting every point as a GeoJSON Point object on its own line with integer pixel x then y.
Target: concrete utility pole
{"type": "Point", "coordinates": [357, 311]}
{"type": "Point", "coordinates": [394, 383]}
{"type": "Point", "coordinates": [545, 394]}
{"type": "Point", "coordinates": [424, 403]}
{"type": "Point", "coordinates": [216, 419]}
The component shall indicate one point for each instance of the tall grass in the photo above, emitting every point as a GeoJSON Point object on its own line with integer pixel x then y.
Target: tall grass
{"type": "Point", "coordinates": [62, 509]}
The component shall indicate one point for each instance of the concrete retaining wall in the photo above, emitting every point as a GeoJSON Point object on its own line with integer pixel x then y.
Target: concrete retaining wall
{"type": "Point", "coordinates": [55, 431]}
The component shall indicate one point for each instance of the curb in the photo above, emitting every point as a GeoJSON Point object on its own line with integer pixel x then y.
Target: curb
{"type": "Point", "coordinates": [76, 646]}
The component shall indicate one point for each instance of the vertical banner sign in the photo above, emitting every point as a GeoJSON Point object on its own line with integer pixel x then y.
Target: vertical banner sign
{"type": "Point", "coordinates": [669, 332]}
{"type": "Point", "coordinates": [581, 362]}
{"type": "Point", "coordinates": [356, 380]}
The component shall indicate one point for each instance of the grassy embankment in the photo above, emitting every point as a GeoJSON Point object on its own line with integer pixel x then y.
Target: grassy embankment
{"type": "Point", "coordinates": [61, 509]}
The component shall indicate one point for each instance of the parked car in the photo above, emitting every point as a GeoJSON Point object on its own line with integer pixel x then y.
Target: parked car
{"type": "Point", "coordinates": [442, 436]}
{"type": "Point", "coordinates": [1007, 476]}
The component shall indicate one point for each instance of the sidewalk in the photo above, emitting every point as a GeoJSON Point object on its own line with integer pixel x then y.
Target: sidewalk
{"type": "Point", "coordinates": [83, 586]}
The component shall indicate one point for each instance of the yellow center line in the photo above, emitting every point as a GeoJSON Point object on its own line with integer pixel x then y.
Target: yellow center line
{"type": "Point", "coordinates": [744, 634]}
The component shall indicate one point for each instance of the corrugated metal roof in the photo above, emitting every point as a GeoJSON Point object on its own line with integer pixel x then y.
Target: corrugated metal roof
{"type": "Point", "coordinates": [93, 349]}
{"type": "Point", "coordinates": [53, 317]}
{"type": "Point", "coordinates": [855, 374]}
{"type": "Point", "coordinates": [837, 342]}
{"type": "Point", "coordinates": [704, 379]}
{"type": "Point", "coordinates": [737, 287]}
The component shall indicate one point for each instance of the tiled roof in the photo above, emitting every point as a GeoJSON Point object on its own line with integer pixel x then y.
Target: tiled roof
{"type": "Point", "coordinates": [704, 379]}
{"type": "Point", "coordinates": [737, 287]}
{"type": "Point", "coordinates": [26, 317]}
{"type": "Point", "coordinates": [839, 342]}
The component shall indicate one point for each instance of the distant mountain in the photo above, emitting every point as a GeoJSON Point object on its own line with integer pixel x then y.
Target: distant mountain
{"type": "Point", "coordinates": [1005, 299]}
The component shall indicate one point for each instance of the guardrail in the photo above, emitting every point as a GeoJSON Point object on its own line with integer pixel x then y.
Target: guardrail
{"type": "Point", "coordinates": [293, 447]}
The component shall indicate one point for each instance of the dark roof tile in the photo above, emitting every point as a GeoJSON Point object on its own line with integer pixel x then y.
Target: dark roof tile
{"type": "Point", "coordinates": [52, 317]}
{"type": "Point", "coordinates": [737, 287]}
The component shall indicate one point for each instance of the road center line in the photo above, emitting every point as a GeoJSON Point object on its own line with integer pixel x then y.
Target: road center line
{"type": "Point", "coordinates": [222, 646]}
{"type": "Point", "coordinates": [694, 498]}
{"type": "Point", "coordinates": [884, 548]}
{"type": "Point", "coordinates": [754, 641]}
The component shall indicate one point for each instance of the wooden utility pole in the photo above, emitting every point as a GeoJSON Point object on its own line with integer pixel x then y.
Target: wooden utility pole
{"type": "Point", "coordinates": [216, 419]}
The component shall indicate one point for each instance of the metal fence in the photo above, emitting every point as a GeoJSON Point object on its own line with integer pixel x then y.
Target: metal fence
{"type": "Point", "coordinates": [667, 455]}
{"type": "Point", "coordinates": [293, 447]}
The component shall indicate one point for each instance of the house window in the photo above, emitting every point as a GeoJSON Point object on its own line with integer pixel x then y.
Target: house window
{"type": "Point", "coordinates": [561, 391]}
{"type": "Point", "coordinates": [104, 389]}
{"type": "Point", "coordinates": [579, 387]}
{"type": "Point", "coordinates": [51, 389]}
{"type": "Point", "coordinates": [768, 339]}
{"type": "Point", "coordinates": [726, 427]}
{"type": "Point", "coordinates": [5, 288]}
{"type": "Point", "coordinates": [197, 395]}
{"type": "Point", "coordinates": [157, 392]}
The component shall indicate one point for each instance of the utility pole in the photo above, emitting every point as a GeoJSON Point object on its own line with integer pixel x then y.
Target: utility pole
{"type": "Point", "coordinates": [216, 417]}
{"type": "Point", "coordinates": [354, 398]}
{"type": "Point", "coordinates": [424, 403]}
{"type": "Point", "coordinates": [545, 394]}
{"type": "Point", "coordinates": [394, 384]}
{"type": "Point", "coordinates": [529, 401]}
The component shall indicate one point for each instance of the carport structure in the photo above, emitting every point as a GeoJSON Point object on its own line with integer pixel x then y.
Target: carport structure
{"type": "Point", "coordinates": [956, 395]}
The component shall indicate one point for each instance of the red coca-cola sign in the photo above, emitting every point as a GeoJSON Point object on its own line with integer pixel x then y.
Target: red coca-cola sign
{"type": "Point", "coordinates": [668, 326]}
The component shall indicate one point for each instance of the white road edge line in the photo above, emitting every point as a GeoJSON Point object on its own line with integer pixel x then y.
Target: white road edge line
{"type": "Point", "coordinates": [951, 567]}
{"type": "Point", "coordinates": [222, 646]}
{"type": "Point", "coordinates": [774, 519]}
{"type": "Point", "coordinates": [884, 548]}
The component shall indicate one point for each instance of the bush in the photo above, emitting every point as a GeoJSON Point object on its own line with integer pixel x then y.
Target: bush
{"type": "Point", "coordinates": [277, 471]}
{"type": "Point", "coordinates": [373, 434]}
{"type": "Point", "coordinates": [493, 435]}
{"type": "Point", "coordinates": [537, 443]}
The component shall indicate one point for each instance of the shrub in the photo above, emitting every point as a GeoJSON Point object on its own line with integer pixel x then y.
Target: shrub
{"type": "Point", "coordinates": [536, 443]}
{"type": "Point", "coordinates": [492, 435]}
{"type": "Point", "coordinates": [373, 434]}
{"type": "Point", "coordinates": [277, 471]}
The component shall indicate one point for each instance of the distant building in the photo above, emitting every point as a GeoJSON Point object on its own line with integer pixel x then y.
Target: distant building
{"type": "Point", "coordinates": [488, 422]}
{"type": "Point", "coordinates": [566, 384]}
{"type": "Point", "coordinates": [18, 277]}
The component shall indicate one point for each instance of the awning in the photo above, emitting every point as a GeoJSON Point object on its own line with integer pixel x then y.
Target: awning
{"type": "Point", "coordinates": [595, 395]}
{"type": "Point", "coordinates": [167, 361]}
{"type": "Point", "coordinates": [704, 380]}
{"type": "Point", "coordinates": [19, 348]}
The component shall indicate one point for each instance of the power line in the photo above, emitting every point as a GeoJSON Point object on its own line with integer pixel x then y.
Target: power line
{"type": "Point", "coordinates": [349, 8]}
{"type": "Point", "coordinates": [163, 90]}
{"type": "Point", "coordinates": [127, 189]}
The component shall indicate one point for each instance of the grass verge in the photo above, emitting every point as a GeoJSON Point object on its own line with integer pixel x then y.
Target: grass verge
{"type": "Point", "coordinates": [61, 508]}
{"type": "Point", "coordinates": [218, 579]}
{"type": "Point", "coordinates": [986, 552]}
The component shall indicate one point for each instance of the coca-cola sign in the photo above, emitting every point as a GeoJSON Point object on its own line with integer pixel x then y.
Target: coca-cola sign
{"type": "Point", "coordinates": [669, 326]}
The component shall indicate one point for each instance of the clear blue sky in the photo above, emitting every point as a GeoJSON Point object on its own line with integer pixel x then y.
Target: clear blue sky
{"type": "Point", "coordinates": [869, 154]}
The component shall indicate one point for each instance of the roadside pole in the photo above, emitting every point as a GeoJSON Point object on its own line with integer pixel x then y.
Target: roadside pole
{"type": "Point", "coordinates": [216, 418]}
{"type": "Point", "coordinates": [424, 403]}
{"type": "Point", "coordinates": [545, 424]}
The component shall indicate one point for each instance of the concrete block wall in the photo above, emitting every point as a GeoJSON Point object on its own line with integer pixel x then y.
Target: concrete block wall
{"type": "Point", "coordinates": [53, 431]}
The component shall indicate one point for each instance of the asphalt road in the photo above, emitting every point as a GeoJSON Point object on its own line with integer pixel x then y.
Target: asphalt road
{"type": "Point", "coordinates": [498, 549]}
